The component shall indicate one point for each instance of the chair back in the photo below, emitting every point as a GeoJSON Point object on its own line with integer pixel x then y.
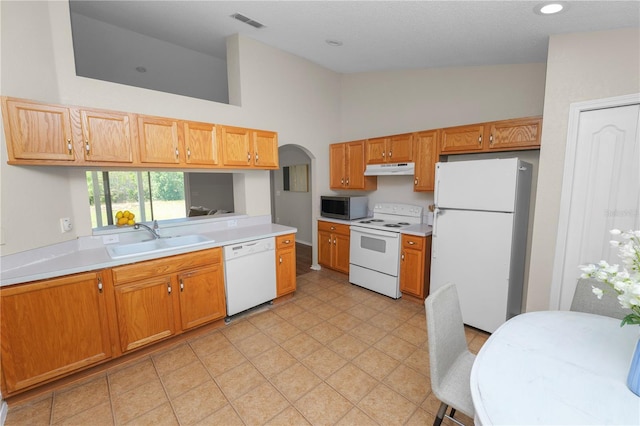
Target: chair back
{"type": "Point", "coordinates": [585, 301]}
{"type": "Point", "coordinates": [445, 332]}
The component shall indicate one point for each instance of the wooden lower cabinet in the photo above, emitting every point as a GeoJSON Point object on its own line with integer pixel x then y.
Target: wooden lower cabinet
{"type": "Point", "coordinates": [51, 328]}
{"type": "Point", "coordinates": [415, 265]}
{"type": "Point", "coordinates": [333, 245]}
{"type": "Point", "coordinates": [285, 264]}
{"type": "Point", "coordinates": [159, 298]}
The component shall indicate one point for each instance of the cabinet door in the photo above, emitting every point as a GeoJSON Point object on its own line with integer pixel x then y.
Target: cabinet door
{"type": "Point", "coordinates": [337, 165]}
{"type": "Point", "coordinates": [355, 165]}
{"type": "Point", "coordinates": [145, 312]}
{"type": "Point", "coordinates": [201, 144]}
{"type": "Point", "coordinates": [159, 140]}
{"type": "Point", "coordinates": [426, 148]}
{"type": "Point", "coordinates": [51, 328]}
{"type": "Point", "coordinates": [376, 150]}
{"type": "Point", "coordinates": [515, 134]}
{"type": "Point", "coordinates": [236, 146]}
{"type": "Point", "coordinates": [400, 149]}
{"type": "Point", "coordinates": [411, 272]}
{"type": "Point", "coordinates": [341, 253]}
{"type": "Point", "coordinates": [37, 132]}
{"type": "Point", "coordinates": [462, 138]}
{"type": "Point", "coordinates": [285, 264]}
{"type": "Point", "coordinates": [202, 297]}
{"type": "Point", "coordinates": [106, 136]}
{"type": "Point", "coordinates": [325, 244]}
{"type": "Point", "coordinates": [265, 152]}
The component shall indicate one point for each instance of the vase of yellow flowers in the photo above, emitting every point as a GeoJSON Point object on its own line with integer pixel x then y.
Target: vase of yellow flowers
{"type": "Point", "coordinates": [625, 281]}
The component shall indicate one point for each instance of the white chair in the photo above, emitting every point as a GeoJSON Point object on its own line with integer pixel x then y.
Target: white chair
{"type": "Point", "coordinates": [585, 301]}
{"type": "Point", "coordinates": [449, 357]}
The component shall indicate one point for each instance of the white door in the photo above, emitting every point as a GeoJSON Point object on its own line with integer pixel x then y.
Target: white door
{"type": "Point", "coordinates": [601, 191]}
{"type": "Point", "coordinates": [472, 249]}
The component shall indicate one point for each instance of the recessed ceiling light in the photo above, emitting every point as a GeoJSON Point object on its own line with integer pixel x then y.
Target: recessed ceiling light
{"type": "Point", "coordinates": [334, 43]}
{"type": "Point", "coordinates": [141, 69]}
{"type": "Point", "coordinates": [550, 8]}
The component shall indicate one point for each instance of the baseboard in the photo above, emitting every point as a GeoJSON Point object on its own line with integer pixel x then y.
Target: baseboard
{"type": "Point", "coordinates": [306, 243]}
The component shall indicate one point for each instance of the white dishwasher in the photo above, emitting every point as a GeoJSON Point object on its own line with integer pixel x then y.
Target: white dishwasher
{"type": "Point", "coordinates": [250, 274]}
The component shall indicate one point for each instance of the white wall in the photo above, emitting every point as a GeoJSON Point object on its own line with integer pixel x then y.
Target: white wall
{"type": "Point", "coordinates": [96, 43]}
{"type": "Point", "coordinates": [277, 91]}
{"type": "Point", "coordinates": [580, 67]}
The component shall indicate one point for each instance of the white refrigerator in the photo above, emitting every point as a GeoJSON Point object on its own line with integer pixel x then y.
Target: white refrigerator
{"type": "Point", "coordinates": [480, 235]}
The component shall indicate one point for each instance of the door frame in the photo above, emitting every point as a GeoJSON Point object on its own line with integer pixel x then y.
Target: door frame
{"type": "Point", "coordinates": [575, 109]}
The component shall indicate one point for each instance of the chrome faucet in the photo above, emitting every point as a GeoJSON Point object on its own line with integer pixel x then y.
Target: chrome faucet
{"type": "Point", "coordinates": [154, 230]}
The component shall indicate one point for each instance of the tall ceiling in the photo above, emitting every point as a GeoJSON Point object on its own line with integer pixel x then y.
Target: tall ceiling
{"type": "Point", "coordinates": [375, 35]}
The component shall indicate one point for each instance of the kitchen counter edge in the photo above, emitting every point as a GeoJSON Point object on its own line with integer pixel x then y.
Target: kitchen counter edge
{"type": "Point", "coordinates": [420, 230]}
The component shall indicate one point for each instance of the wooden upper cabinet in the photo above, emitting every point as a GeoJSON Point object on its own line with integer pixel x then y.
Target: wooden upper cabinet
{"type": "Point", "coordinates": [201, 144]}
{"type": "Point", "coordinates": [355, 165]}
{"type": "Point", "coordinates": [462, 139]}
{"type": "Point", "coordinates": [426, 156]}
{"type": "Point", "coordinates": [265, 148]}
{"type": "Point", "coordinates": [392, 149]}
{"type": "Point", "coordinates": [159, 140]}
{"type": "Point", "coordinates": [105, 135]}
{"type": "Point", "coordinates": [248, 148]}
{"type": "Point", "coordinates": [337, 165]}
{"type": "Point", "coordinates": [37, 131]}
{"type": "Point", "coordinates": [515, 134]}
{"type": "Point", "coordinates": [346, 167]}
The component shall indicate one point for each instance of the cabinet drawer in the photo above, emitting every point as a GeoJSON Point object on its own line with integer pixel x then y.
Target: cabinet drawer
{"type": "Point", "coordinates": [166, 265]}
{"type": "Point", "coordinates": [285, 241]}
{"type": "Point", "coordinates": [412, 242]}
{"type": "Point", "coordinates": [332, 227]}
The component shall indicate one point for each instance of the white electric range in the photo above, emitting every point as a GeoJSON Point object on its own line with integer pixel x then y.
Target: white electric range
{"type": "Point", "coordinates": [374, 255]}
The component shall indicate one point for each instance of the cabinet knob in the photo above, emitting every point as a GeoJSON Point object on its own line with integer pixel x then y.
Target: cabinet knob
{"type": "Point", "coordinates": [69, 146]}
{"type": "Point", "coordinates": [491, 139]}
{"type": "Point", "coordinates": [390, 152]}
{"type": "Point", "coordinates": [99, 285]}
{"type": "Point", "coordinates": [287, 241]}
{"type": "Point", "coordinates": [415, 182]}
{"type": "Point", "coordinates": [334, 242]}
{"type": "Point", "coordinates": [248, 157]}
{"type": "Point", "coordinates": [256, 157]}
{"type": "Point", "coordinates": [280, 259]}
{"type": "Point", "coordinates": [342, 181]}
{"type": "Point", "coordinates": [383, 154]}
{"type": "Point", "coordinates": [347, 181]}
{"type": "Point", "coordinates": [411, 243]}
{"type": "Point", "coordinates": [333, 228]}
{"type": "Point", "coordinates": [402, 256]}
{"type": "Point", "coordinates": [480, 140]}
{"type": "Point", "coordinates": [181, 285]}
{"type": "Point", "coordinates": [177, 153]}
{"type": "Point", "coordinates": [188, 152]}
{"type": "Point", "coordinates": [86, 145]}
{"type": "Point", "coordinates": [169, 287]}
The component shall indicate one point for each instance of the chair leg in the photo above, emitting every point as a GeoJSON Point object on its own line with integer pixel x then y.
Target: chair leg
{"type": "Point", "coordinates": [441, 412]}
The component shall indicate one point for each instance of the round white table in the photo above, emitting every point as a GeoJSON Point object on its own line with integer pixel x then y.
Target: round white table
{"type": "Point", "coordinates": [556, 367]}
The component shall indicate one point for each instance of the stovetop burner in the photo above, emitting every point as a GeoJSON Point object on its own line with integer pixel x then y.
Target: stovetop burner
{"type": "Point", "coordinates": [404, 223]}
{"type": "Point", "coordinates": [393, 225]}
{"type": "Point", "coordinates": [377, 220]}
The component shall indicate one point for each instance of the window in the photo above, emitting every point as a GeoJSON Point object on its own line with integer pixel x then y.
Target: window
{"type": "Point", "coordinates": [148, 195]}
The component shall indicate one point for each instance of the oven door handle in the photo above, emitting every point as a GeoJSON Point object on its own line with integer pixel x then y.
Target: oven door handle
{"type": "Point", "coordinates": [375, 232]}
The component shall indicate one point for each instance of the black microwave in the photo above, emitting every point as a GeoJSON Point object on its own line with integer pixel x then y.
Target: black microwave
{"type": "Point", "coordinates": [344, 207]}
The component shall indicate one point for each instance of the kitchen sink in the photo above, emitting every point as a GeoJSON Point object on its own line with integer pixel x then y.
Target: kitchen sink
{"type": "Point", "coordinates": [118, 251]}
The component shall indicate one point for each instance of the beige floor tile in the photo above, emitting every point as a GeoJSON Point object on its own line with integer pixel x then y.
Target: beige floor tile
{"type": "Point", "coordinates": [368, 333]}
{"type": "Point", "coordinates": [97, 415]}
{"type": "Point", "coordinates": [209, 343]}
{"type": "Point", "coordinates": [352, 382]}
{"type": "Point", "coordinates": [239, 380]}
{"type": "Point", "coordinates": [348, 346]}
{"type": "Point", "coordinates": [260, 404]}
{"type": "Point", "coordinates": [161, 416]}
{"type": "Point", "coordinates": [32, 412]}
{"type": "Point", "coordinates": [239, 329]}
{"type": "Point", "coordinates": [273, 361]}
{"type": "Point", "coordinates": [325, 311]}
{"type": "Point", "coordinates": [431, 404]}
{"type": "Point", "coordinates": [418, 320]}
{"type": "Point", "coordinates": [174, 358]}
{"type": "Point", "coordinates": [476, 344]}
{"type": "Point", "coordinates": [380, 304]}
{"type": "Point", "coordinates": [138, 401]}
{"type": "Point", "coordinates": [265, 319]}
{"type": "Point", "coordinates": [375, 363]}
{"type": "Point", "coordinates": [324, 332]}
{"type": "Point", "coordinates": [308, 301]}
{"type": "Point", "coordinates": [345, 321]}
{"type": "Point", "coordinates": [255, 344]}
{"type": "Point", "coordinates": [301, 345]}
{"type": "Point", "coordinates": [221, 361]}
{"type": "Point", "coordinates": [421, 418]}
{"type": "Point", "coordinates": [362, 312]}
{"type": "Point", "coordinates": [386, 406]}
{"type": "Point", "coordinates": [199, 403]}
{"type": "Point", "coordinates": [129, 376]}
{"type": "Point", "coordinates": [295, 381]}
{"type": "Point", "coordinates": [306, 320]}
{"type": "Point", "coordinates": [324, 362]}
{"type": "Point", "coordinates": [409, 383]}
{"type": "Point", "coordinates": [187, 377]}
{"type": "Point", "coordinates": [414, 335]}
{"type": "Point", "coordinates": [226, 416]}
{"type": "Point", "coordinates": [395, 347]}
{"type": "Point", "coordinates": [282, 331]}
{"type": "Point", "coordinates": [289, 417]}
{"type": "Point", "coordinates": [69, 402]}
{"type": "Point", "coordinates": [356, 417]}
{"type": "Point", "coordinates": [288, 310]}
{"type": "Point", "coordinates": [327, 295]}
{"type": "Point", "coordinates": [386, 322]}
{"type": "Point", "coordinates": [419, 361]}
{"type": "Point", "coordinates": [323, 405]}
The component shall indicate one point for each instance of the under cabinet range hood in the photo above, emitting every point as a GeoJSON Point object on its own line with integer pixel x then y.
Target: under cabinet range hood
{"type": "Point", "coordinates": [395, 169]}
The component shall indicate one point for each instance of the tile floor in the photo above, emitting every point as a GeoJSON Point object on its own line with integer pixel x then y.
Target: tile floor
{"type": "Point", "coordinates": [333, 354]}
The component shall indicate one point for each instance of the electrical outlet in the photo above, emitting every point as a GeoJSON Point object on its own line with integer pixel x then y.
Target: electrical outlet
{"type": "Point", "coordinates": [65, 224]}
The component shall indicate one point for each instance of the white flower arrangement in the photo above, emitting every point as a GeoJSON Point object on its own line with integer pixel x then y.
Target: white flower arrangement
{"type": "Point", "coordinates": [625, 282]}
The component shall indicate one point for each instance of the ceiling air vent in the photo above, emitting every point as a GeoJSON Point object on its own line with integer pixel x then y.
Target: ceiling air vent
{"type": "Point", "coordinates": [247, 21]}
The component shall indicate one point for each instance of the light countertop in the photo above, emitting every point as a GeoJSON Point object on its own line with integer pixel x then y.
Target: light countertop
{"type": "Point", "coordinates": [90, 253]}
{"type": "Point", "coordinates": [419, 230]}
